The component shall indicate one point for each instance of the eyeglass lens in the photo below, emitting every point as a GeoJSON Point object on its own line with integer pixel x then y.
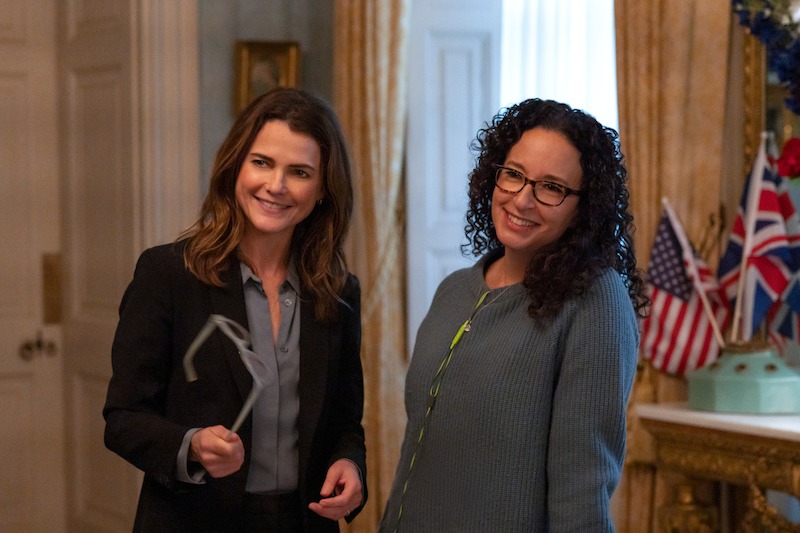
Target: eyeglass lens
{"type": "Point", "coordinates": [546, 192]}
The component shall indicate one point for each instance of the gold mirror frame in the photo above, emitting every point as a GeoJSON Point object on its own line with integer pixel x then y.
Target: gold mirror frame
{"type": "Point", "coordinates": [764, 102]}
{"type": "Point", "coordinates": [754, 73]}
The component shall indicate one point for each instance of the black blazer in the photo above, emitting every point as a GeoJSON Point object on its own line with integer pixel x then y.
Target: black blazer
{"type": "Point", "coordinates": [150, 406]}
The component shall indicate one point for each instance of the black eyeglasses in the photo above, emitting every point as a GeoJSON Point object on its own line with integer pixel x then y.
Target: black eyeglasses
{"type": "Point", "coordinates": [545, 192]}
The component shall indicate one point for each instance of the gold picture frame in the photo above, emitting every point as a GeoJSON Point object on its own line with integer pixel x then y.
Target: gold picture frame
{"type": "Point", "coordinates": [264, 65]}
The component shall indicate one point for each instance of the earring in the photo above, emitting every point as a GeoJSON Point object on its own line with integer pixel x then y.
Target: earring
{"type": "Point", "coordinates": [319, 202]}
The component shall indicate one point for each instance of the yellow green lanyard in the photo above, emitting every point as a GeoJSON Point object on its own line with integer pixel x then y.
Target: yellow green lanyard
{"type": "Point", "coordinates": [433, 393]}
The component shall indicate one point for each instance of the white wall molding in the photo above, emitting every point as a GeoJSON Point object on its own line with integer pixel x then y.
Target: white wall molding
{"type": "Point", "coordinates": [166, 99]}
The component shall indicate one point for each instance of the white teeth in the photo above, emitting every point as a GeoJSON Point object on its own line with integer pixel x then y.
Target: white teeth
{"type": "Point", "coordinates": [520, 221]}
{"type": "Point", "coordinates": [270, 204]}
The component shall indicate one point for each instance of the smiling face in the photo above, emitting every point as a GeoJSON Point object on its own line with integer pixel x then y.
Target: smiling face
{"type": "Point", "coordinates": [522, 224]}
{"type": "Point", "coordinates": [279, 182]}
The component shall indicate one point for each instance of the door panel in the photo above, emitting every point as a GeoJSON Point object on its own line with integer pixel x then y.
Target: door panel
{"type": "Point", "coordinates": [453, 90]}
{"type": "Point", "coordinates": [99, 188]}
{"type": "Point", "coordinates": [99, 144]}
{"type": "Point", "coordinates": [128, 72]}
{"type": "Point", "coordinates": [31, 392]}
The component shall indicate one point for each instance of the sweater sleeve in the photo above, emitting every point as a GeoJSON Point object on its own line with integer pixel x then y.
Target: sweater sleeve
{"type": "Point", "coordinates": [587, 438]}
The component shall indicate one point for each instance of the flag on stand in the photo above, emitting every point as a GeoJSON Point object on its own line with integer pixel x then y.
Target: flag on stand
{"type": "Point", "coordinates": [758, 246]}
{"type": "Point", "coordinates": [784, 325]}
{"type": "Point", "coordinates": [678, 335]}
{"type": "Point", "coordinates": [784, 317]}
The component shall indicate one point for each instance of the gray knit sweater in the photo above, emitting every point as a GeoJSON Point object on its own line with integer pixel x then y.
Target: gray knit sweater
{"type": "Point", "coordinates": [528, 430]}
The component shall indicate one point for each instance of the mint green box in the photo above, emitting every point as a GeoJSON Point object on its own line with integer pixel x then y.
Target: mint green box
{"type": "Point", "coordinates": [746, 378]}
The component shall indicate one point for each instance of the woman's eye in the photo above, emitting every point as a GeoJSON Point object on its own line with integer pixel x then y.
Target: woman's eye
{"type": "Point", "coordinates": [513, 175]}
{"type": "Point", "coordinates": [552, 187]}
{"type": "Point", "coordinates": [259, 162]}
{"type": "Point", "coordinates": [301, 173]}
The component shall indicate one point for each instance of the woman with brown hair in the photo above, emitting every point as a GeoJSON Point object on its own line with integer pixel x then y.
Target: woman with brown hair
{"type": "Point", "coordinates": [264, 264]}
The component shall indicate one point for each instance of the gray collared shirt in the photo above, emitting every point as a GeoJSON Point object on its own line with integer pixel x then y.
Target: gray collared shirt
{"type": "Point", "coordinates": [274, 459]}
{"type": "Point", "coordinates": [274, 462]}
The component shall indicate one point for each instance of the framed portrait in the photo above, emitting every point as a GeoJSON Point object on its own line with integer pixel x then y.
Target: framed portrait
{"type": "Point", "coordinates": [264, 65]}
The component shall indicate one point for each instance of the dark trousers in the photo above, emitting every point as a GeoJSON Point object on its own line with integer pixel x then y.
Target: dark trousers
{"type": "Point", "coordinates": [272, 513]}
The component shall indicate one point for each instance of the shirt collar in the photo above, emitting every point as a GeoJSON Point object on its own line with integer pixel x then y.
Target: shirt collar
{"type": "Point", "coordinates": [292, 278]}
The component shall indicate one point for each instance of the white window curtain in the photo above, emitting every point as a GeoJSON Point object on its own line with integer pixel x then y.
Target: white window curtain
{"type": "Point", "coordinates": [561, 51]}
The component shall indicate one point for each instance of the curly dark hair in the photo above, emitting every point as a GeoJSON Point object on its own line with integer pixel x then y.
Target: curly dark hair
{"type": "Point", "coordinates": [600, 237]}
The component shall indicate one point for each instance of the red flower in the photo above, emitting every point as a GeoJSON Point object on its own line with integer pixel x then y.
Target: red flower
{"type": "Point", "coordinates": [789, 161]}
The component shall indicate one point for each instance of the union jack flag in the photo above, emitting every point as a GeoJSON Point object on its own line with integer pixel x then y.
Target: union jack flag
{"type": "Point", "coordinates": [678, 336]}
{"type": "Point", "coordinates": [759, 235]}
{"type": "Point", "coordinates": [784, 317]}
{"type": "Point", "coordinates": [784, 326]}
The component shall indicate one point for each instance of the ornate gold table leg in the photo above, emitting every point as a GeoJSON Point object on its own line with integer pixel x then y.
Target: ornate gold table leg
{"type": "Point", "coordinates": [761, 517]}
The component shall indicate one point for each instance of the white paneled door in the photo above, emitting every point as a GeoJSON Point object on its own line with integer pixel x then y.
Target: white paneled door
{"type": "Point", "coordinates": [99, 187]}
{"type": "Point", "coordinates": [98, 159]}
{"type": "Point", "coordinates": [130, 163]}
{"type": "Point", "coordinates": [31, 358]}
{"type": "Point", "coordinates": [454, 83]}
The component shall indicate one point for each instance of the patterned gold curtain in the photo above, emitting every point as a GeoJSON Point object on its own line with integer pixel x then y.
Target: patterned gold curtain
{"type": "Point", "coordinates": [677, 133]}
{"type": "Point", "coordinates": [370, 45]}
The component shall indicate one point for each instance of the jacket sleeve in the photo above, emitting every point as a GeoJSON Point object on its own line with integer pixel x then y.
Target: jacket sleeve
{"type": "Point", "coordinates": [348, 400]}
{"type": "Point", "coordinates": [142, 362]}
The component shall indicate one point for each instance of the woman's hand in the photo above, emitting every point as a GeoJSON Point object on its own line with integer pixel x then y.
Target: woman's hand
{"type": "Point", "coordinates": [341, 491]}
{"type": "Point", "coordinates": [218, 455]}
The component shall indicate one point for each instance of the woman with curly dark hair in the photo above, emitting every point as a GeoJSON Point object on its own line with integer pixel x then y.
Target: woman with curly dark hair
{"type": "Point", "coordinates": [264, 264]}
{"type": "Point", "coordinates": [517, 390]}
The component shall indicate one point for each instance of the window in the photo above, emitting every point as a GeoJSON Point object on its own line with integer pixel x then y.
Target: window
{"type": "Point", "coordinates": [561, 51]}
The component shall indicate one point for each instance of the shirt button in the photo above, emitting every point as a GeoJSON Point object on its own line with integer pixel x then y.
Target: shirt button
{"type": "Point", "coordinates": [287, 302]}
{"type": "Point", "coordinates": [284, 349]}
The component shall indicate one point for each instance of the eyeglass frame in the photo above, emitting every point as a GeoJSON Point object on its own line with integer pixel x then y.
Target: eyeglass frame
{"type": "Point", "coordinates": [564, 189]}
{"type": "Point", "coordinates": [241, 338]}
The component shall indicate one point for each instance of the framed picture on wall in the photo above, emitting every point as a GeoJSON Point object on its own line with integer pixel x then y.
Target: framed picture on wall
{"type": "Point", "coordinates": [264, 65]}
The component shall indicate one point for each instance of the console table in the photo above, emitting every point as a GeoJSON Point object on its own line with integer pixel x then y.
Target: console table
{"type": "Point", "coordinates": [757, 451]}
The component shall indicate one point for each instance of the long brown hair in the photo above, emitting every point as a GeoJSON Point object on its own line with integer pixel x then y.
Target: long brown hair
{"type": "Point", "coordinates": [316, 246]}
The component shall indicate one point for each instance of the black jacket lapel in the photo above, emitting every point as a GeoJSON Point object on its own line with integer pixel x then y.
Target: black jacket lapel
{"type": "Point", "coordinates": [228, 301]}
{"type": "Point", "coordinates": [315, 338]}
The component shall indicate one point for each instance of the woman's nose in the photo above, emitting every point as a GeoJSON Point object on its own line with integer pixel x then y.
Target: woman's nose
{"type": "Point", "coordinates": [275, 180]}
{"type": "Point", "coordinates": [525, 198]}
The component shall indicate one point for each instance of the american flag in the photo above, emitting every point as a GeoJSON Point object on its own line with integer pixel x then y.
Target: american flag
{"type": "Point", "coordinates": [678, 336]}
{"type": "Point", "coordinates": [758, 234]}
